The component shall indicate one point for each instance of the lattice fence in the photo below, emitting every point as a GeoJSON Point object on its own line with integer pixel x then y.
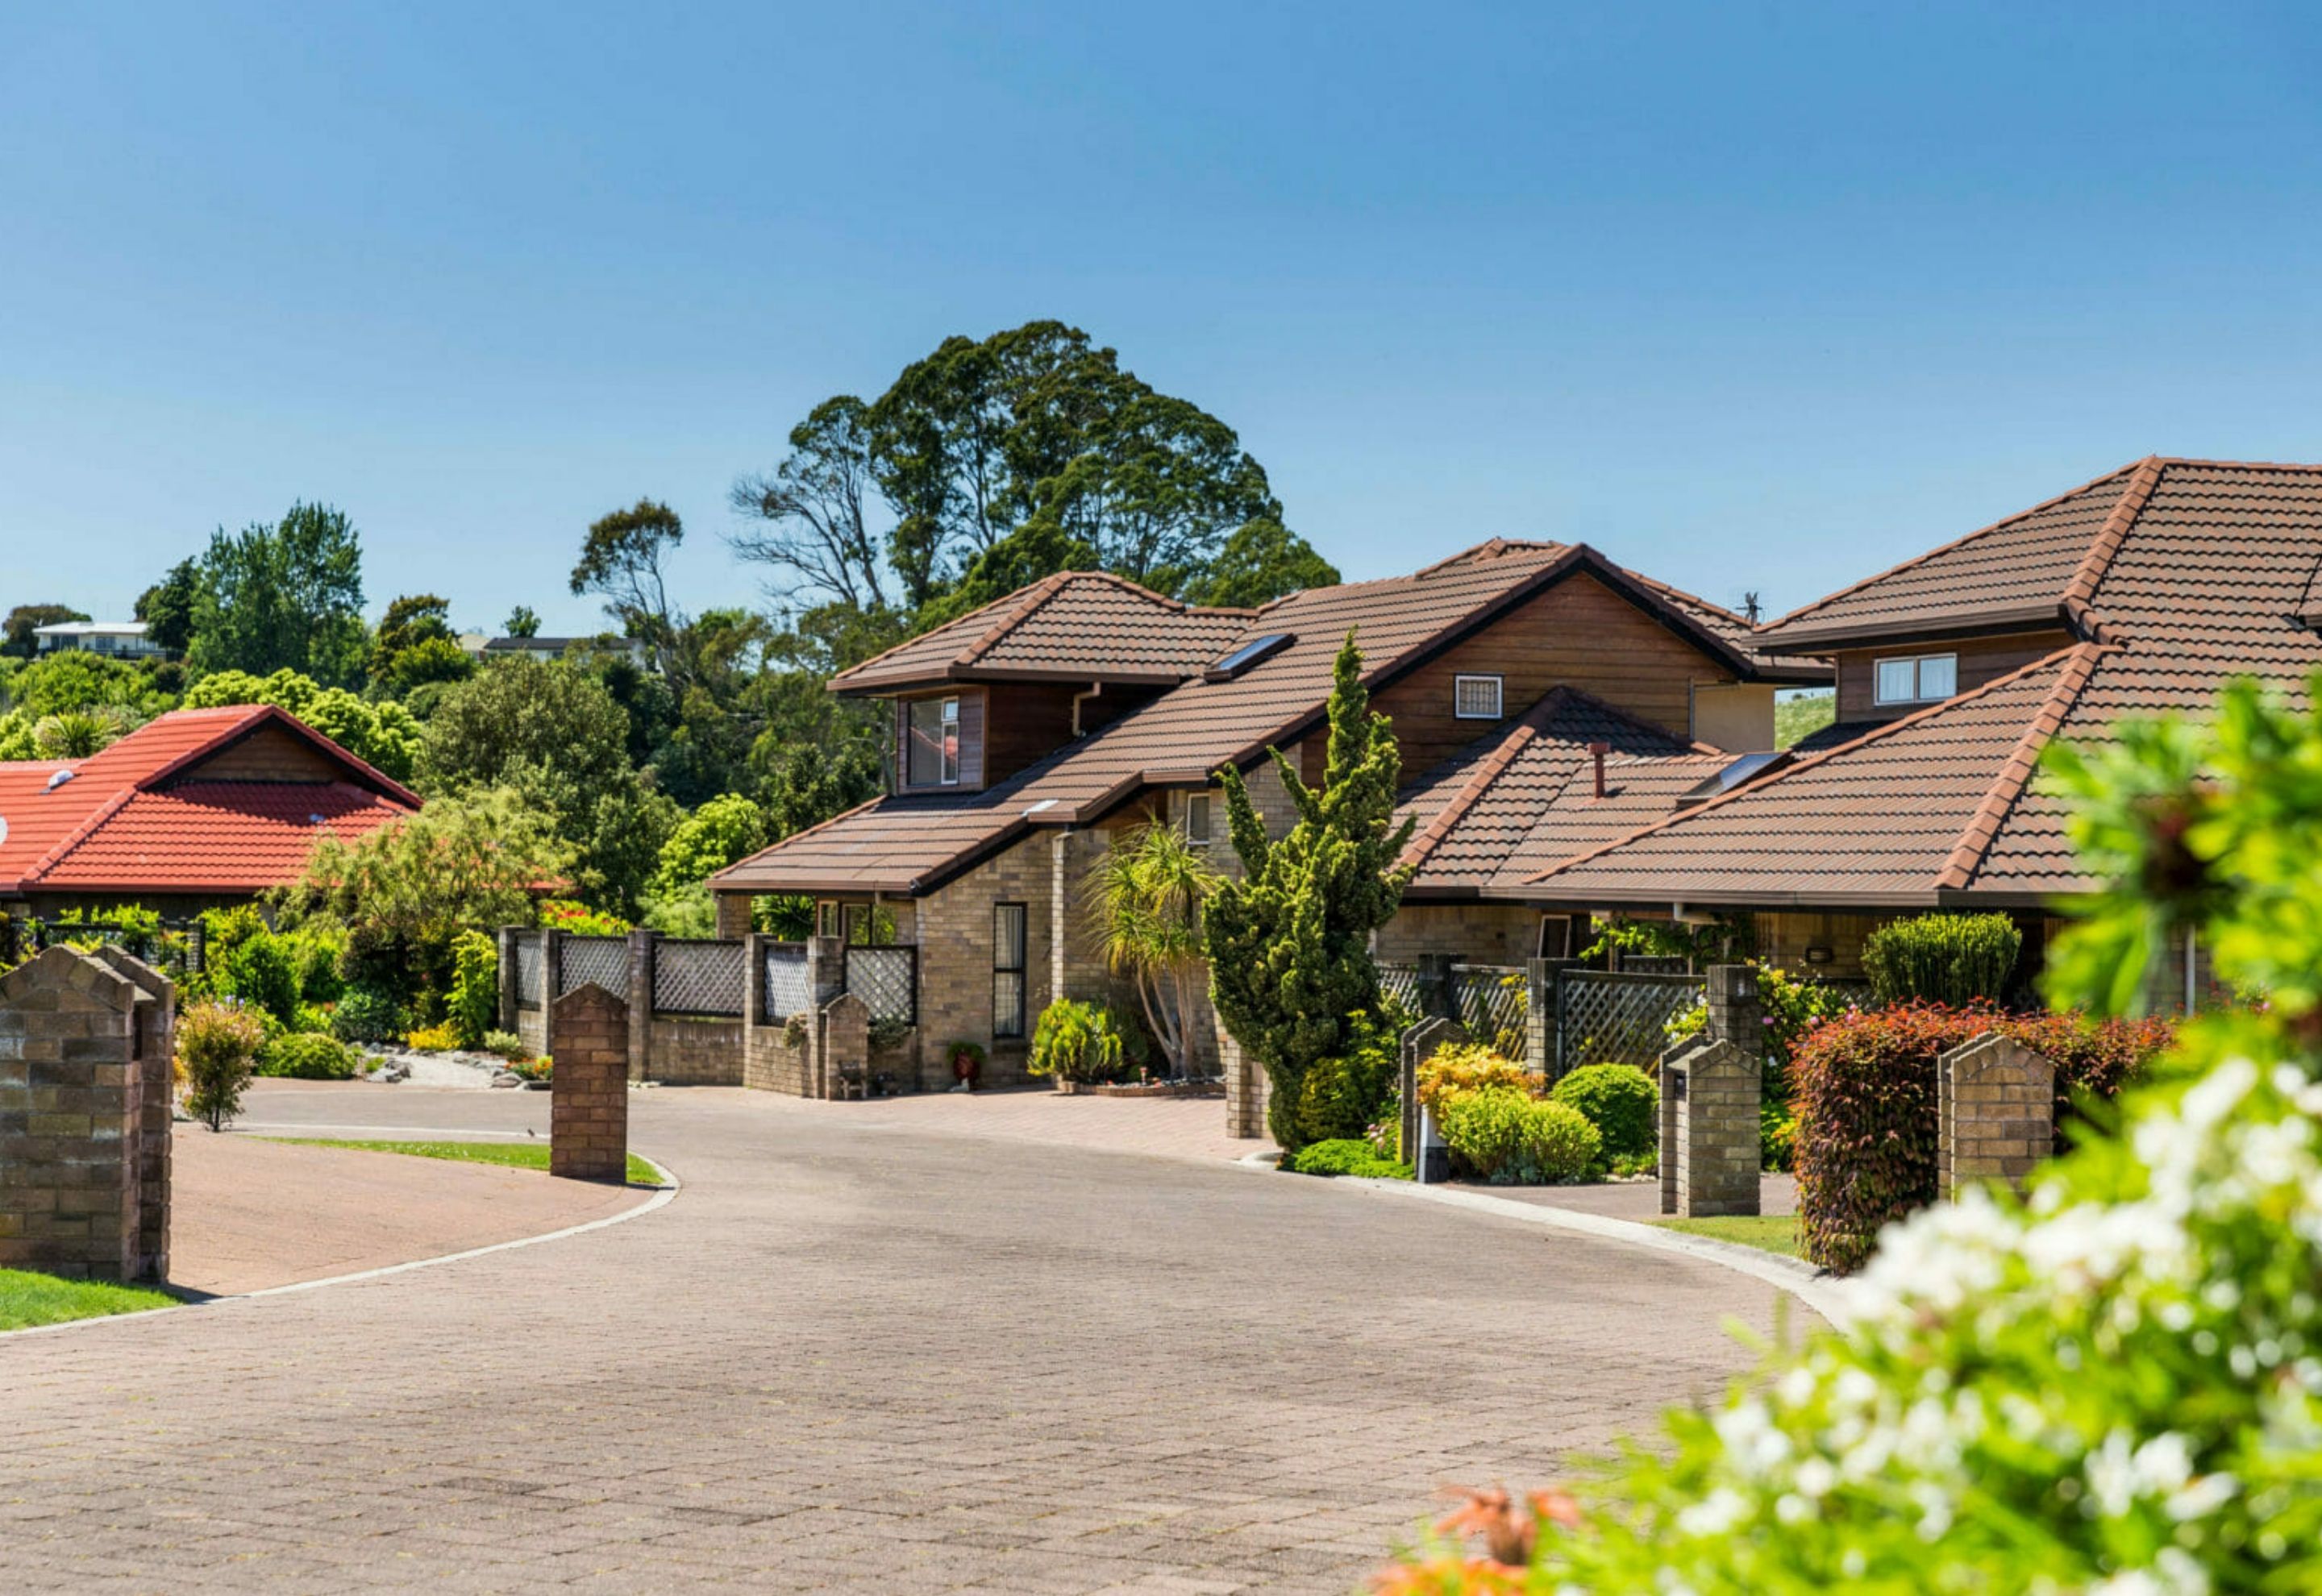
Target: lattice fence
{"type": "Point", "coordinates": [1604, 1018]}
{"type": "Point", "coordinates": [788, 989]}
{"type": "Point", "coordinates": [887, 979]}
{"type": "Point", "coordinates": [1493, 1005]}
{"type": "Point", "coordinates": [527, 970]}
{"type": "Point", "coordinates": [1400, 983]}
{"type": "Point", "coordinates": [604, 960]}
{"type": "Point", "coordinates": [699, 976]}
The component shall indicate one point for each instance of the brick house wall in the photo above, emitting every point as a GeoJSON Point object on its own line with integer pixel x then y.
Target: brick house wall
{"type": "Point", "coordinates": [955, 950]}
{"type": "Point", "coordinates": [1471, 933]}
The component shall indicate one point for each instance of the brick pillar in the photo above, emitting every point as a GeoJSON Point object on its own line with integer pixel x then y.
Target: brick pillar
{"type": "Point", "coordinates": [1995, 1111]}
{"type": "Point", "coordinates": [511, 988]}
{"type": "Point", "coordinates": [826, 978]}
{"type": "Point", "coordinates": [1418, 1045]}
{"type": "Point", "coordinates": [154, 1048]}
{"type": "Point", "coordinates": [1541, 1014]}
{"type": "Point", "coordinates": [551, 976]}
{"type": "Point", "coordinates": [642, 945]}
{"type": "Point", "coordinates": [1736, 1014]}
{"type": "Point", "coordinates": [1246, 1089]}
{"type": "Point", "coordinates": [845, 1029]}
{"type": "Point", "coordinates": [733, 914]}
{"type": "Point", "coordinates": [72, 1101]}
{"type": "Point", "coordinates": [1709, 1130]}
{"type": "Point", "coordinates": [1437, 997]}
{"type": "Point", "coordinates": [588, 1094]}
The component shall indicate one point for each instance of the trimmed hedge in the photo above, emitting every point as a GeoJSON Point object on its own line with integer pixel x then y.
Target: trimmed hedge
{"type": "Point", "coordinates": [1347, 1156]}
{"type": "Point", "coordinates": [1510, 1137]}
{"type": "Point", "coordinates": [1952, 959]}
{"type": "Point", "coordinates": [308, 1055]}
{"type": "Point", "coordinates": [1620, 1102]}
{"type": "Point", "coordinates": [1864, 1093]}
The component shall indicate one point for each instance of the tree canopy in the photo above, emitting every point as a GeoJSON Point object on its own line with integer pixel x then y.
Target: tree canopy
{"type": "Point", "coordinates": [285, 597]}
{"type": "Point", "coordinates": [16, 637]}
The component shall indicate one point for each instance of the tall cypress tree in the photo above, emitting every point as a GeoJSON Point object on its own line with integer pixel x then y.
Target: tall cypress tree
{"type": "Point", "coordinates": [1290, 961]}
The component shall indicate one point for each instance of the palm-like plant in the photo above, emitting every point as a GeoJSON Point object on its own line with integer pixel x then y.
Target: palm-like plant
{"type": "Point", "coordinates": [1145, 895]}
{"type": "Point", "coordinates": [76, 734]}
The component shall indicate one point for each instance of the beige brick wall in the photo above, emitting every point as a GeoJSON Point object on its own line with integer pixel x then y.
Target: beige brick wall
{"type": "Point", "coordinates": [1471, 933]}
{"type": "Point", "coordinates": [697, 1053]}
{"type": "Point", "coordinates": [1784, 937]}
{"type": "Point", "coordinates": [955, 949]}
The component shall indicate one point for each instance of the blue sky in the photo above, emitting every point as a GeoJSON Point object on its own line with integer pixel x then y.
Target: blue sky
{"type": "Point", "coordinates": [1752, 297]}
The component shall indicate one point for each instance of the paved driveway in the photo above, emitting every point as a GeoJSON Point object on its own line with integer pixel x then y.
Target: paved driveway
{"type": "Point", "coordinates": [856, 1359]}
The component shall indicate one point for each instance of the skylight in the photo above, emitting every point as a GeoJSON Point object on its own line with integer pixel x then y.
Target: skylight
{"type": "Point", "coordinates": [1250, 653]}
{"type": "Point", "coordinates": [1749, 766]}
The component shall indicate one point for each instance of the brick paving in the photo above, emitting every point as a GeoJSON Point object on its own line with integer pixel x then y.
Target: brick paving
{"type": "Point", "coordinates": [858, 1359]}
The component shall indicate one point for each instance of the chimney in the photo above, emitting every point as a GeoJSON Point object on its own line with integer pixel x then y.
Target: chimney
{"type": "Point", "coordinates": [1597, 751]}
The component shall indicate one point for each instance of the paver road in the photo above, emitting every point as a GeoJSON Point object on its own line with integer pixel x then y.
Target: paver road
{"type": "Point", "coordinates": [854, 1359]}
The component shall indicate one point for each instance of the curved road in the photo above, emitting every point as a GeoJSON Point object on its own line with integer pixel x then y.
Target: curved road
{"type": "Point", "coordinates": [854, 1359]}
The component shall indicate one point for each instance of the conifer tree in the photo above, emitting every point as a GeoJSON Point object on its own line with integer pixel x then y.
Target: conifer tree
{"type": "Point", "coordinates": [1289, 944]}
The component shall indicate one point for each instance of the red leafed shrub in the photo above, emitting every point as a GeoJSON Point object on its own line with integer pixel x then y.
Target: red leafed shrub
{"type": "Point", "coordinates": [1863, 1088]}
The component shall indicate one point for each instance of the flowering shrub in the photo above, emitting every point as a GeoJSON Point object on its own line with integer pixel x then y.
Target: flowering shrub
{"type": "Point", "coordinates": [441, 1038]}
{"type": "Point", "coordinates": [1510, 1137]}
{"type": "Point", "coordinates": [577, 920]}
{"type": "Point", "coordinates": [1465, 1067]}
{"type": "Point", "coordinates": [1865, 1098]}
{"type": "Point", "coordinates": [2112, 1386]}
{"type": "Point", "coordinates": [543, 1068]}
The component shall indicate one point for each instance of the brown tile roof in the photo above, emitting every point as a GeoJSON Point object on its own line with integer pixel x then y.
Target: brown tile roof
{"type": "Point", "coordinates": [1200, 726]}
{"type": "Point", "coordinates": [1528, 791]}
{"type": "Point", "coordinates": [2197, 572]}
{"type": "Point", "coordinates": [1078, 625]}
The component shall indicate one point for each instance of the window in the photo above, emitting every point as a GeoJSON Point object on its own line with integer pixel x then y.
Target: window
{"type": "Point", "coordinates": [1922, 680]}
{"type": "Point", "coordinates": [825, 919]}
{"type": "Point", "coordinates": [934, 760]}
{"type": "Point", "coordinates": [1476, 697]}
{"type": "Point", "coordinates": [1006, 970]}
{"type": "Point", "coordinates": [1563, 936]}
{"type": "Point", "coordinates": [1197, 819]}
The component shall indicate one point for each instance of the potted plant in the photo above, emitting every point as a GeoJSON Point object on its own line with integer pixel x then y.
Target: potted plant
{"type": "Point", "coordinates": [967, 1064]}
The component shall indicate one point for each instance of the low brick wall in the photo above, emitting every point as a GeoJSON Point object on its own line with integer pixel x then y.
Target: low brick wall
{"type": "Point", "coordinates": [771, 1065]}
{"type": "Point", "coordinates": [697, 1053]}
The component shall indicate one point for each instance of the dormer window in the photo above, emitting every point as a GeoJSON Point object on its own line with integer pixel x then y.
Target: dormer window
{"type": "Point", "coordinates": [1921, 678]}
{"type": "Point", "coordinates": [1476, 697]}
{"type": "Point", "coordinates": [934, 759]}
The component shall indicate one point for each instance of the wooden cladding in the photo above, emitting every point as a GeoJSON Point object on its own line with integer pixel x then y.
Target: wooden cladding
{"type": "Point", "coordinates": [1980, 659]}
{"type": "Point", "coordinates": [1579, 633]}
{"type": "Point", "coordinates": [1001, 729]}
{"type": "Point", "coordinates": [270, 754]}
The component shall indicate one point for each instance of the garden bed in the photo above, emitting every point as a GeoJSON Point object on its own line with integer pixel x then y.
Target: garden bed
{"type": "Point", "coordinates": [1149, 1088]}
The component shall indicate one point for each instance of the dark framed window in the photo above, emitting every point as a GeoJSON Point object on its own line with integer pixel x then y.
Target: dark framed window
{"type": "Point", "coordinates": [1008, 953]}
{"type": "Point", "coordinates": [933, 758]}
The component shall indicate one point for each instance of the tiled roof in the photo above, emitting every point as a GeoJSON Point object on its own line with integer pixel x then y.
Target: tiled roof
{"type": "Point", "coordinates": [1528, 792]}
{"type": "Point", "coordinates": [2025, 566]}
{"type": "Point", "coordinates": [2198, 571]}
{"type": "Point", "coordinates": [1073, 625]}
{"type": "Point", "coordinates": [905, 844]}
{"type": "Point", "coordinates": [137, 818]}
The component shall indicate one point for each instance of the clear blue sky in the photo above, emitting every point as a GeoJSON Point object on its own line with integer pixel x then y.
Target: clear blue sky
{"type": "Point", "coordinates": [1749, 296]}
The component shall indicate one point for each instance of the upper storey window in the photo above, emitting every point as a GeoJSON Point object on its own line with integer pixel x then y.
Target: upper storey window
{"type": "Point", "coordinates": [1923, 678]}
{"type": "Point", "coordinates": [1476, 697]}
{"type": "Point", "coordinates": [934, 758]}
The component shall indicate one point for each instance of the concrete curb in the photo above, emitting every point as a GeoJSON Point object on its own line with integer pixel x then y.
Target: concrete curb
{"type": "Point", "coordinates": [1809, 1285]}
{"type": "Point", "coordinates": [662, 1197]}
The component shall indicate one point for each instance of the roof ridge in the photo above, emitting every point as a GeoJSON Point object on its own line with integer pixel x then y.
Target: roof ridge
{"type": "Point", "coordinates": [1976, 838]}
{"type": "Point", "coordinates": [1923, 557]}
{"type": "Point", "coordinates": [1029, 603]}
{"type": "Point", "coordinates": [1521, 735]}
{"type": "Point", "coordinates": [1810, 762]}
{"type": "Point", "coordinates": [2080, 592]}
{"type": "Point", "coordinates": [2240, 465]}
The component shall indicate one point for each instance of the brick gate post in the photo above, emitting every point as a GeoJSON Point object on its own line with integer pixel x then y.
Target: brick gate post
{"type": "Point", "coordinates": [1996, 1112]}
{"type": "Point", "coordinates": [643, 948]}
{"type": "Point", "coordinates": [153, 1050]}
{"type": "Point", "coordinates": [589, 1092]}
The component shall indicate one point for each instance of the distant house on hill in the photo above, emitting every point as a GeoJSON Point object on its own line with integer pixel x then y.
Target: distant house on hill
{"type": "Point", "coordinates": [485, 648]}
{"type": "Point", "coordinates": [193, 809]}
{"type": "Point", "coordinates": [118, 640]}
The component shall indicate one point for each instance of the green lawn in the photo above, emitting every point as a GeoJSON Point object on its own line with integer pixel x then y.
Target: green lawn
{"type": "Point", "coordinates": [28, 1298]}
{"type": "Point", "coordinates": [523, 1155]}
{"type": "Point", "coordinates": [1768, 1233]}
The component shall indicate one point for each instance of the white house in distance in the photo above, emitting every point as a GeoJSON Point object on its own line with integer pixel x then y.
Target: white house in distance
{"type": "Point", "coordinates": [119, 640]}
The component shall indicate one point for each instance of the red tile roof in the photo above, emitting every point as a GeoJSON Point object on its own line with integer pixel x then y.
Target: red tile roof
{"type": "Point", "coordinates": [908, 844]}
{"type": "Point", "coordinates": [2194, 573]}
{"type": "Point", "coordinates": [138, 817]}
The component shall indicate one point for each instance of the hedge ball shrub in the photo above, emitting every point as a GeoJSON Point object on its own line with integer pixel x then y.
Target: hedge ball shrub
{"type": "Point", "coordinates": [308, 1055]}
{"type": "Point", "coordinates": [1620, 1102]}
{"type": "Point", "coordinates": [1949, 958]}
{"type": "Point", "coordinates": [1510, 1137]}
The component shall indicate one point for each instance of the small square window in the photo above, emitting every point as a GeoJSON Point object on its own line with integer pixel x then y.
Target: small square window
{"type": "Point", "coordinates": [1476, 697]}
{"type": "Point", "coordinates": [1197, 819]}
{"type": "Point", "coordinates": [1924, 678]}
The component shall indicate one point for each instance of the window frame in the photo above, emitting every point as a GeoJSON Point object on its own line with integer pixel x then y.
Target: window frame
{"type": "Point", "coordinates": [1201, 838]}
{"type": "Point", "coordinates": [1021, 971]}
{"type": "Point", "coordinates": [1918, 664]}
{"type": "Point", "coordinates": [945, 743]}
{"type": "Point", "coordinates": [1499, 696]}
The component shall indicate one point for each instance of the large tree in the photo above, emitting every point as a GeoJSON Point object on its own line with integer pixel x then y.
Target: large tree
{"type": "Point", "coordinates": [166, 607]}
{"type": "Point", "coordinates": [621, 563]}
{"type": "Point", "coordinates": [16, 637]}
{"type": "Point", "coordinates": [1289, 942]}
{"type": "Point", "coordinates": [285, 597]}
{"type": "Point", "coordinates": [1026, 452]}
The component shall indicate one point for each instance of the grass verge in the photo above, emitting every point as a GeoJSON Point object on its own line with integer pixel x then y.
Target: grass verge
{"type": "Point", "coordinates": [1768, 1233]}
{"type": "Point", "coordinates": [523, 1155]}
{"type": "Point", "coordinates": [27, 1299]}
